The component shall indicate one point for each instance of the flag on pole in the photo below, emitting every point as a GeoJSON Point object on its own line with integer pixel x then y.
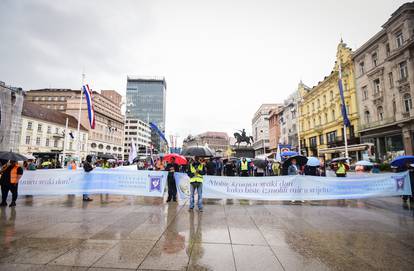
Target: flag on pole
{"type": "Point", "coordinates": [89, 102]}
{"type": "Point", "coordinates": [278, 157]}
{"type": "Point", "coordinates": [158, 131]}
{"type": "Point", "coordinates": [347, 123]}
{"type": "Point", "coordinates": [132, 152]}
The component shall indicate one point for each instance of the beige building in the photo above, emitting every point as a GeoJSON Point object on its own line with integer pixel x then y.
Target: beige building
{"type": "Point", "coordinates": [260, 128]}
{"type": "Point", "coordinates": [384, 73]}
{"type": "Point", "coordinates": [43, 134]}
{"type": "Point", "coordinates": [107, 137]}
{"type": "Point", "coordinates": [216, 141]}
{"type": "Point", "coordinates": [288, 116]}
{"type": "Point", "coordinates": [274, 129]}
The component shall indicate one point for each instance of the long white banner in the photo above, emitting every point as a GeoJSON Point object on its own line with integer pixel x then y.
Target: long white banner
{"type": "Point", "coordinates": [299, 187]}
{"type": "Point", "coordinates": [129, 181]}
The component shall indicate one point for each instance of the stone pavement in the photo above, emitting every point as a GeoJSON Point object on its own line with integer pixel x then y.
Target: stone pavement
{"type": "Point", "coordinates": [122, 233]}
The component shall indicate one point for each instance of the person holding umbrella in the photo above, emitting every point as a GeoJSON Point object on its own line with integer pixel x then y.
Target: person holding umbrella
{"type": "Point", "coordinates": [172, 188]}
{"type": "Point", "coordinates": [341, 170]}
{"type": "Point", "coordinates": [10, 177]}
{"type": "Point", "coordinates": [196, 172]}
{"type": "Point", "coordinates": [244, 168]}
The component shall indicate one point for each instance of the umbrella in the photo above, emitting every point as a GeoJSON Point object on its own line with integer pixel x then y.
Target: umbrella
{"type": "Point", "coordinates": [300, 160]}
{"type": "Point", "coordinates": [336, 160]}
{"type": "Point", "coordinates": [12, 156]}
{"type": "Point", "coordinates": [179, 159]}
{"type": "Point", "coordinates": [401, 161]}
{"type": "Point", "coordinates": [260, 163]}
{"type": "Point", "coordinates": [200, 151]}
{"type": "Point", "coordinates": [105, 156]}
{"type": "Point", "coordinates": [29, 157]}
{"type": "Point", "coordinates": [288, 153]}
{"type": "Point", "coordinates": [364, 163]}
{"type": "Point", "coordinates": [313, 162]}
{"type": "Point", "coordinates": [111, 160]}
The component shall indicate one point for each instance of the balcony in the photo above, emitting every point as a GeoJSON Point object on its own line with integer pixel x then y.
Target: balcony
{"type": "Point", "coordinates": [57, 135]}
{"type": "Point", "coordinates": [339, 142]}
{"type": "Point", "coordinates": [378, 123]}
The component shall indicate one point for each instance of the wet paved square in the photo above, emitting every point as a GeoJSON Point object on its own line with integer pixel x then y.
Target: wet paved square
{"type": "Point", "coordinates": [137, 233]}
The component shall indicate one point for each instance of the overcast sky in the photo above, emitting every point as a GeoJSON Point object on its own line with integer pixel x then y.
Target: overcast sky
{"type": "Point", "coordinates": [221, 59]}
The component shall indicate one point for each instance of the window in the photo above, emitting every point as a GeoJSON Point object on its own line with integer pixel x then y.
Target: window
{"type": "Point", "coordinates": [324, 99]}
{"type": "Point", "coordinates": [361, 67]}
{"type": "Point", "coordinates": [332, 96]}
{"type": "Point", "coordinates": [326, 118]}
{"type": "Point", "coordinates": [36, 98]}
{"type": "Point", "coordinates": [56, 130]}
{"type": "Point", "coordinates": [333, 115]}
{"type": "Point", "coordinates": [29, 125]}
{"type": "Point", "coordinates": [374, 58]}
{"type": "Point", "coordinates": [61, 107]}
{"type": "Point", "coordinates": [312, 141]}
{"type": "Point", "coordinates": [49, 129]}
{"type": "Point", "coordinates": [47, 142]}
{"type": "Point", "coordinates": [331, 137]}
{"type": "Point", "coordinates": [387, 49]}
{"type": "Point", "coordinates": [38, 141]}
{"type": "Point", "coordinates": [309, 125]}
{"type": "Point", "coordinates": [27, 140]}
{"type": "Point", "coordinates": [380, 112]}
{"type": "Point", "coordinates": [403, 70]}
{"type": "Point", "coordinates": [366, 116]}
{"type": "Point", "coordinates": [391, 80]}
{"type": "Point", "coordinates": [314, 122]}
{"type": "Point", "coordinates": [307, 108]}
{"type": "Point", "coordinates": [364, 93]}
{"type": "Point", "coordinates": [70, 145]}
{"type": "Point", "coordinates": [320, 120]}
{"type": "Point", "coordinates": [39, 127]}
{"type": "Point", "coordinates": [399, 39]}
{"type": "Point", "coordinates": [55, 143]}
{"type": "Point", "coordinates": [318, 103]}
{"type": "Point", "coordinates": [377, 86]}
{"type": "Point", "coordinates": [321, 139]}
{"type": "Point", "coordinates": [49, 98]}
{"type": "Point", "coordinates": [408, 104]}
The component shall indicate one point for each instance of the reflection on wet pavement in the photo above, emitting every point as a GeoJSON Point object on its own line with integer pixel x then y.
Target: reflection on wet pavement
{"type": "Point", "coordinates": [130, 233]}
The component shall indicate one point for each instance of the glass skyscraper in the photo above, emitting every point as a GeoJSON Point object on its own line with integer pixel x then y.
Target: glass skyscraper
{"type": "Point", "coordinates": [146, 99]}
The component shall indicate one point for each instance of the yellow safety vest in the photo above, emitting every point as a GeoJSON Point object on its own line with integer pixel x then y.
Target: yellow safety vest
{"type": "Point", "coordinates": [197, 176]}
{"type": "Point", "coordinates": [244, 166]}
{"type": "Point", "coordinates": [341, 169]}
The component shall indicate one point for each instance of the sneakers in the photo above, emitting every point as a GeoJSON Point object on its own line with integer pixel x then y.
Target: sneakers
{"type": "Point", "coordinates": [200, 210]}
{"type": "Point", "coordinates": [3, 204]}
{"type": "Point", "coordinates": [190, 209]}
{"type": "Point", "coordinates": [168, 200]}
{"type": "Point", "coordinates": [87, 199]}
{"type": "Point", "coordinates": [12, 204]}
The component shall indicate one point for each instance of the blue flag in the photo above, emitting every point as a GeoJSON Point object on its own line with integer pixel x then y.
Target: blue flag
{"type": "Point", "coordinates": [159, 132]}
{"type": "Point", "coordinates": [347, 123]}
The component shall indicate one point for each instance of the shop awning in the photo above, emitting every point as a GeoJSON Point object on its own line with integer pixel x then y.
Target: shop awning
{"type": "Point", "coordinates": [351, 148]}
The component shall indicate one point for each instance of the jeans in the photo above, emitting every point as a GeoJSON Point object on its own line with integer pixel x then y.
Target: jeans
{"type": "Point", "coordinates": [199, 187]}
{"type": "Point", "coordinates": [5, 188]}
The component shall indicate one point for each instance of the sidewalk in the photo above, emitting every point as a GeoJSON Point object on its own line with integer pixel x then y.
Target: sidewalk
{"type": "Point", "coordinates": [63, 233]}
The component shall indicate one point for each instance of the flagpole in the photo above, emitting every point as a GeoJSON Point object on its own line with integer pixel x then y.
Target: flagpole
{"type": "Point", "coordinates": [64, 143]}
{"type": "Point", "coordinates": [344, 132]}
{"type": "Point", "coordinates": [79, 115]}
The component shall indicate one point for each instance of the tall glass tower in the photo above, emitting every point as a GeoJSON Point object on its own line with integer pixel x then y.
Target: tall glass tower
{"type": "Point", "coordinates": [146, 100]}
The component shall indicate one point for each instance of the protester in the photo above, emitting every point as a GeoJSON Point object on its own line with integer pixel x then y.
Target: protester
{"type": "Point", "coordinates": [87, 167]}
{"type": "Point", "coordinates": [210, 167]}
{"type": "Point", "coordinates": [219, 167]}
{"type": "Point", "coordinates": [159, 165]}
{"type": "Point", "coordinates": [293, 168]}
{"type": "Point", "coordinates": [10, 176]}
{"type": "Point", "coordinates": [72, 165]}
{"type": "Point", "coordinates": [196, 172]}
{"type": "Point", "coordinates": [311, 171]}
{"type": "Point", "coordinates": [341, 169]}
{"type": "Point", "coordinates": [276, 168]}
{"type": "Point", "coordinates": [172, 188]}
{"type": "Point", "coordinates": [260, 171]}
{"type": "Point", "coordinates": [105, 164]}
{"type": "Point", "coordinates": [244, 168]}
{"type": "Point", "coordinates": [410, 169]}
{"type": "Point", "coordinates": [230, 168]}
{"type": "Point", "coordinates": [375, 169]}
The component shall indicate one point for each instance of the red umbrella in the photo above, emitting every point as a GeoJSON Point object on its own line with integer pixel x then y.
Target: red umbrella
{"type": "Point", "coordinates": [179, 159]}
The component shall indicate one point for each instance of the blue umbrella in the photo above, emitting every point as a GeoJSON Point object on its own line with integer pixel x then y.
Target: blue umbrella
{"type": "Point", "coordinates": [313, 162]}
{"type": "Point", "coordinates": [401, 161]}
{"type": "Point", "coordinates": [364, 163]}
{"type": "Point", "coordinates": [288, 153]}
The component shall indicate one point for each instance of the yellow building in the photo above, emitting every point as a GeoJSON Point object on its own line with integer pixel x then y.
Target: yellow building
{"type": "Point", "coordinates": [321, 122]}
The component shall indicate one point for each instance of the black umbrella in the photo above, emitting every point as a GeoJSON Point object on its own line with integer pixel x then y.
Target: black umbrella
{"type": "Point", "coordinates": [336, 160]}
{"type": "Point", "coordinates": [12, 156]}
{"type": "Point", "coordinates": [199, 151]}
{"type": "Point", "coordinates": [105, 156]}
{"type": "Point", "coordinates": [300, 160]}
{"type": "Point", "coordinates": [260, 163]}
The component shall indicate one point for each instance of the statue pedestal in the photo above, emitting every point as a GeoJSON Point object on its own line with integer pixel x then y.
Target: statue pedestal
{"type": "Point", "coordinates": [243, 151]}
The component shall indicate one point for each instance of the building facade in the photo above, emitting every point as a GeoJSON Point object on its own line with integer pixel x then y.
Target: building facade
{"type": "Point", "coordinates": [146, 100]}
{"type": "Point", "coordinates": [11, 103]}
{"type": "Point", "coordinates": [288, 117]}
{"type": "Point", "coordinates": [260, 128]}
{"type": "Point", "coordinates": [108, 135]}
{"type": "Point", "coordinates": [384, 72]}
{"type": "Point", "coordinates": [139, 132]}
{"type": "Point", "coordinates": [219, 142]}
{"type": "Point", "coordinates": [321, 122]}
{"type": "Point", "coordinates": [43, 134]}
{"type": "Point", "coordinates": [274, 129]}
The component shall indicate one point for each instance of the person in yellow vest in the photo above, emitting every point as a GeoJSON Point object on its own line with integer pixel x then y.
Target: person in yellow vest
{"type": "Point", "coordinates": [196, 170]}
{"type": "Point", "coordinates": [244, 168]}
{"type": "Point", "coordinates": [9, 182]}
{"type": "Point", "coordinates": [341, 170]}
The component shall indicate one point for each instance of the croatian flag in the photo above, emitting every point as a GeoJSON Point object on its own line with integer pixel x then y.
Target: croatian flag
{"type": "Point", "coordinates": [347, 123]}
{"type": "Point", "coordinates": [89, 101]}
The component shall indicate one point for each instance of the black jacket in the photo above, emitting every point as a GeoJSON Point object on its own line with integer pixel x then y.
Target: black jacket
{"type": "Point", "coordinates": [195, 165]}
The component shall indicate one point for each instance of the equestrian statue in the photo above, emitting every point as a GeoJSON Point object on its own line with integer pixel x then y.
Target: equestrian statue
{"type": "Point", "coordinates": [243, 138]}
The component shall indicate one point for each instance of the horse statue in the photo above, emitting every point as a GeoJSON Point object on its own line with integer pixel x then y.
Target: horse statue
{"type": "Point", "coordinates": [243, 138]}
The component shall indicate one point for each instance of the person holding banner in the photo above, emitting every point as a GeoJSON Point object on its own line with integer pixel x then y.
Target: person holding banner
{"type": "Point", "coordinates": [244, 168]}
{"type": "Point", "coordinates": [172, 187]}
{"type": "Point", "coordinates": [87, 167]}
{"type": "Point", "coordinates": [196, 172]}
{"type": "Point", "coordinates": [10, 177]}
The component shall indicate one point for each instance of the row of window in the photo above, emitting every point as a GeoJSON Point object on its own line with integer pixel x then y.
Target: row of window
{"type": "Point", "coordinates": [49, 129]}
{"type": "Point", "coordinates": [318, 102]}
{"type": "Point", "coordinates": [101, 146]}
{"type": "Point", "coordinates": [399, 42]}
{"type": "Point", "coordinates": [407, 106]}
{"type": "Point", "coordinates": [45, 98]}
{"type": "Point", "coordinates": [330, 138]}
{"type": "Point", "coordinates": [48, 143]}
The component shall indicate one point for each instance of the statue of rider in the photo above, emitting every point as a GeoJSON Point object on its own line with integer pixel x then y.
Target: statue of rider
{"type": "Point", "coordinates": [243, 133]}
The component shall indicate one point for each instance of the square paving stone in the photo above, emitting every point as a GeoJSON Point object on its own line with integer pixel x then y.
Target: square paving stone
{"type": "Point", "coordinates": [255, 258]}
{"type": "Point", "coordinates": [211, 257]}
